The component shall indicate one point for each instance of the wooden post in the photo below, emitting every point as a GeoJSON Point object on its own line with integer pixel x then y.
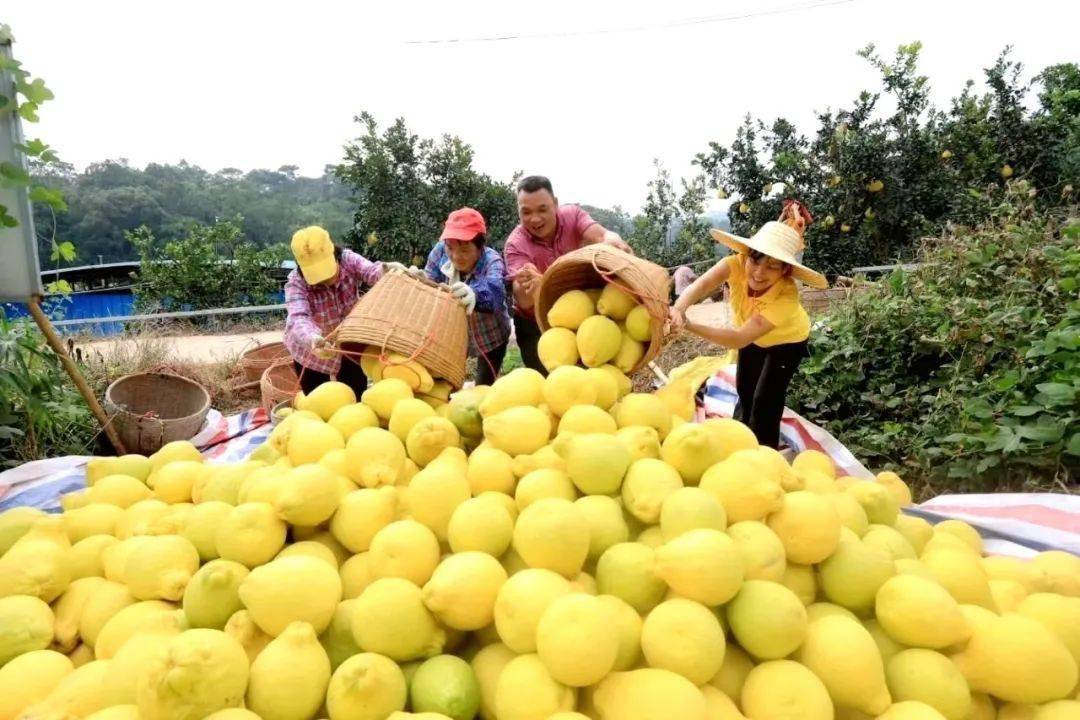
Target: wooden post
{"type": "Point", "coordinates": [73, 371]}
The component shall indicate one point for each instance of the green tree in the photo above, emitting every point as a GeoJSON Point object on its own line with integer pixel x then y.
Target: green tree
{"type": "Point", "coordinates": [404, 187]}
{"type": "Point", "coordinates": [671, 229]}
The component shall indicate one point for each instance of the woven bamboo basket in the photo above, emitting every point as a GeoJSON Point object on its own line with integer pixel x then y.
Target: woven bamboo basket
{"type": "Point", "coordinates": [593, 266]}
{"type": "Point", "coordinates": [414, 317]}
{"type": "Point", "coordinates": [279, 383]}
{"type": "Point", "coordinates": [255, 361]}
{"type": "Point", "coordinates": [151, 409]}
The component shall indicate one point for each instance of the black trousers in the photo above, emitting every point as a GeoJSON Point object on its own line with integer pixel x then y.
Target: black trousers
{"type": "Point", "coordinates": [350, 374]}
{"type": "Point", "coordinates": [762, 377]}
{"type": "Point", "coordinates": [527, 333]}
{"type": "Point", "coordinates": [488, 370]}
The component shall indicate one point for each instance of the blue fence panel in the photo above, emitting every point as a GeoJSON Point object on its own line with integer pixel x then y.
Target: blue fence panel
{"type": "Point", "coordinates": [83, 305]}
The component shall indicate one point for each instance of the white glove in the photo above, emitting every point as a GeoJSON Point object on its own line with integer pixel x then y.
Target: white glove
{"type": "Point", "coordinates": [393, 267]}
{"type": "Point", "coordinates": [413, 271]}
{"type": "Point", "coordinates": [320, 348]}
{"type": "Point", "coordinates": [464, 295]}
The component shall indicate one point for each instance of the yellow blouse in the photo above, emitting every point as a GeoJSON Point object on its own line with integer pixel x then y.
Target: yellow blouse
{"type": "Point", "coordinates": [779, 305]}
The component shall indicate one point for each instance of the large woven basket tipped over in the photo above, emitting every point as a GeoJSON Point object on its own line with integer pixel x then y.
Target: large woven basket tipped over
{"type": "Point", "coordinates": [151, 409]}
{"type": "Point", "coordinates": [255, 361]}
{"type": "Point", "coordinates": [593, 266]}
{"type": "Point", "coordinates": [413, 317]}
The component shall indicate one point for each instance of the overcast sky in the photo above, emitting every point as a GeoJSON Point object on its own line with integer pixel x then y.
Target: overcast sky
{"type": "Point", "coordinates": [588, 94]}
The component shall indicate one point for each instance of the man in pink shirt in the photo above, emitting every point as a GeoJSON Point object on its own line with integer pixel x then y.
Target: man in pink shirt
{"type": "Point", "coordinates": [546, 232]}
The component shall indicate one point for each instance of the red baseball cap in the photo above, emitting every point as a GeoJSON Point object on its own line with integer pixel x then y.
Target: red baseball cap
{"type": "Point", "coordinates": [463, 225]}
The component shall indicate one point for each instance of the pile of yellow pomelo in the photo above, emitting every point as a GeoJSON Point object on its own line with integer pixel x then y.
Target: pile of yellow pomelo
{"type": "Point", "coordinates": [595, 328]}
{"type": "Point", "coordinates": [551, 548]}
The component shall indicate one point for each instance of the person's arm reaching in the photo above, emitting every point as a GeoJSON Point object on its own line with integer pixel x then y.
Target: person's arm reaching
{"type": "Point", "coordinates": [490, 288]}
{"type": "Point", "coordinates": [299, 323]}
{"type": "Point", "coordinates": [359, 266]}
{"type": "Point", "coordinates": [736, 339]}
{"type": "Point", "coordinates": [597, 233]}
{"type": "Point", "coordinates": [523, 274]}
{"type": "Point", "coordinates": [700, 289]}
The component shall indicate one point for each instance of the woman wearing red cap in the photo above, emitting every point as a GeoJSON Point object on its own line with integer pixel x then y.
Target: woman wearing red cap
{"type": "Point", "coordinates": [476, 275]}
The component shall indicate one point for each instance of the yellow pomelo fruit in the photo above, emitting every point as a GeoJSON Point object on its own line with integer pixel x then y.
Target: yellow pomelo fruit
{"type": "Point", "coordinates": [198, 672]}
{"type": "Point", "coordinates": [488, 665]}
{"type": "Point", "coordinates": [789, 480]}
{"type": "Point", "coordinates": [821, 483]}
{"type": "Point", "coordinates": [415, 375]}
{"type": "Point", "coordinates": [212, 596]}
{"type": "Point", "coordinates": [1007, 594]}
{"type": "Point", "coordinates": [606, 524]}
{"type": "Point", "coordinates": [730, 435]}
{"type": "Point", "coordinates": [390, 618]}
{"type": "Point", "coordinates": [92, 519]}
{"type": "Point", "coordinates": [1062, 571]}
{"type": "Point", "coordinates": [328, 398]}
{"type": "Point", "coordinates": [628, 626]}
{"type": "Point", "coordinates": [521, 602]}
{"type": "Point", "coordinates": [263, 485]}
{"type": "Point", "coordinates": [26, 624]}
{"type": "Point", "coordinates": [173, 483]}
{"type": "Point", "coordinates": [86, 556]}
{"type": "Point", "coordinates": [1059, 710]}
{"type": "Point", "coordinates": [519, 387]}
{"type": "Point", "coordinates": [545, 457]}
{"type": "Point", "coordinates": [598, 341]}
{"type": "Point", "coordinates": [691, 449]}
{"type": "Point", "coordinates": [432, 496]}
{"type": "Point", "coordinates": [1025, 572]}
{"type": "Point", "coordinates": [291, 589]}
{"type": "Point", "coordinates": [570, 310]}
{"type": "Point", "coordinates": [931, 678]}
{"type": "Point", "coordinates": [915, 530]}
{"type": "Point", "coordinates": [814, 460]}
{"type": "Point", "coordinates": [948, 541]}
{"type": "Point", "coordinates": [404, 549]}
{"type": "Point", "coordinates": [732, 674]}
{"type": "Point", "coordinates": [644, 409]}
{"type": "Point", "coordinates": [68, 611]}
{"type": "Point", "coordinates": [490, 469]}
{"type": "Point", "coordinates": [648, 484]}
{"type": "Point", "coordinates": [877, 501]}
{"type": "Point", "coordinates": [685, 637]}
{"type": "Point", "coordinates": [243, 629]}
{"type": "Point", "coordinates": [310, 441]}
{"type": "Point", "coordinates": [355, 575]}
{"type": "Point", "coordinates": [606, 386]}
{"type": "Point", "coordinates": [29, 678]}
{"type": "Point", "coordinates": [595, 462]}
{"type": "Point", "coordinates": [78, 694]}
{"type": "Point", "coordinates": [367, 686]}
{"type": "Point", "coordinates": [201, 527]}
{"type": "Point", "coordinates": [587, 419]}
{"type": "Point", "coordinates": [629, 354]}
{"type": "Point", "coordinates": [428, 437]}
{"type": "Point", "coordinates": [1011, 711]}
{"type": "Point", "coordinates": [852, 576]}
{"type": "Point", "coordinates": [172, 452]}
{"type": "Point", "coordinates": [375, 457]}
{"type": "Point", "coordinates": [639, 324]}
{"type": "Point", "coordinates": [640, 440]}
{"type": "Point", "coordinates": [518, 430]}
{"type": "Point", "coordinates": [557, 347]}
{"type": "Point", "coordinates": [774, 688]}
{"type": "Point", "coordinates": [251, 534]}
{"type": "Point", "coordinates": [337, 640]}
{"type": "Point", "coordinates": [615, 302]}
{"type": "Point", "coordinates": [120, 490]}
{"type": "Point", "coordinates": [290, 676]}
{"type": "Point", "coordinates": [553, 534]}
{"type": "Point", "coordinates": [543, 483]}
{"type": "Point", "coordinates": [886, 645]}
{"type": "Point", "coordinates": [679, 398]}
{"type": "Point", "coordinates": [768, 619]}
{"type": "Point", "coordinates": [462, 590]}
{"type": "Point", "coordinates": [917, 612]}
{"type": "Point", "coordinates": [746, 485]}
{"type": "Point", "coordinates": [1017, 659]}
{"type": "Point", "coordinates": [383, 395]}
{"type": "Point", "coordinates": [808, 525]}
{"type": "Point", "coordinates": [691, 508]}
{"type": "Point", "coordinates": [1059, 613]}
{"type": "Point", "coordinates": [406, 414]}
{"type": "Point", "coordinates": [702, 565]}
{"type": "Point", "coordinates": [566, 387]}
{"type": "Point", "coordinates": [962, 574]}
{"type": "Point", "coordinates": [845, 658]}
{"type": "Point", "coordinates": [646, 694]}
{"type": "Point", "coordinates": [160, 567]}
{"type": "Point", "coordinates": [623, 383]}
{"type": "Point", "coordinates": [309, 496]}
{"type": "Point", "coordinates": [627, 570]}
{"type": "Point", "coordinates": [361, 514]}
{"type": "Point", "coordinates": [760, 549]}
{"type": "Point", "coordinates": [480, 525]}
{"type": "Point", "coordinates": [851, 513]}
{"type": "Point", "coordinates": [526, 690]}
{"type": "Point", "coordinates": [152, 617]}
{"type": "Point", "coordinates": [15, 523]}
{"type": "Point", "coordinates": [105, 601]}
{"type": "Point", "coordinates": [350, 419]}
{"type": "Point", "coordinates": [889, 540]}
{"type": "Point", "coordinates": [719, 706]}
{"type": "Point", "coordinates": [896, 486]}
{"type": "Point", "coordinates": [565, 622]}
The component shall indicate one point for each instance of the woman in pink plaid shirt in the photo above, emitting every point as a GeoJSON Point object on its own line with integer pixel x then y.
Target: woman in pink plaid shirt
{"type": "Point", "coordinates": [318, 296]}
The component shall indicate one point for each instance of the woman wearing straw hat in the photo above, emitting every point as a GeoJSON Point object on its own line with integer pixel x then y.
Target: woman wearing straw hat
{"type": "Point", "coordinates": [772, 326]}
{"type": "Point", "coordinates": [476, 275]}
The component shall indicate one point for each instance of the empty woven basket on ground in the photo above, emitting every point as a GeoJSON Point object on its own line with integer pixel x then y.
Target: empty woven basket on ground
{"type": "Point", "coordinates": [593, 266]}
{"type": "Point", "coordinates": [415, 318]}
{"type": "Point", "coordinates": [151, 409]}
{"type": "Point", "coordinates": [255, 361]}
{"type": "Point", "coordinates": [279, 383]}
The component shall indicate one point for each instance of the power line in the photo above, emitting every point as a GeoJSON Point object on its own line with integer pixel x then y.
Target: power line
{"type": "Point", "coordinates": [684, 22]}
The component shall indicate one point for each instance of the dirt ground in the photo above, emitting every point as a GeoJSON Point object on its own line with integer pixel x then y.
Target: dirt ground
{"type": "Point", "coordinates": [195, 348]}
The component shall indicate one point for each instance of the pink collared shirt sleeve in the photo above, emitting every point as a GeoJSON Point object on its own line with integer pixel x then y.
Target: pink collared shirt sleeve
{"type": "Point", "coordinates": [582, 220]}
{"type": "Point", "coordinates": [515, 252]}
{"type": "Point", "coordinates": [359, 266]}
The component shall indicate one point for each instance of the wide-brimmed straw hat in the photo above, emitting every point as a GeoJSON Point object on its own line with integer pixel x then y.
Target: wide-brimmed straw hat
{"type": "Point", "coordinates": [778, 241]}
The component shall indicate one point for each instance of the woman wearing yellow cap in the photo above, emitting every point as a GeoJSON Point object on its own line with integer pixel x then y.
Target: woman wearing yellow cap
{"type": "Point", "coordinates": [318, 295]}
{"type": "Point", "coordinates": [772, 327]}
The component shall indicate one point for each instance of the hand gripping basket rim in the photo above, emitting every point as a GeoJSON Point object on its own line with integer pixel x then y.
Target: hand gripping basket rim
{"type": "Point", "coordinates": [595, 265]}
{"type": "Point", "coordinates": [413, 317]}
